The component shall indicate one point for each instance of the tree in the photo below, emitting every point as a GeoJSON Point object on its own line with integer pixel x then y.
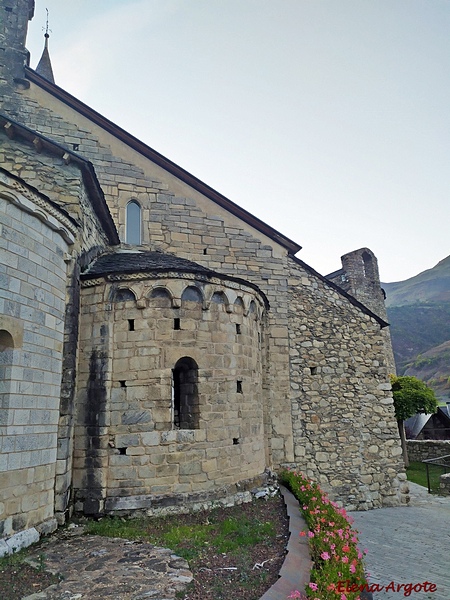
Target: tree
{"type": "Point", "coordinates": [411, 396]}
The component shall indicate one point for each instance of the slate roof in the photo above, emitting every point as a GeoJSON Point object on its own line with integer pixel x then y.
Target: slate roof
{"type": "Point", "coordinates": [416, 423]}
{"type": "Point", "coordinates": [40, 143]}
{"type": "Point", "coordinates": [124, 262]}
{"type": "Point", "coordinates": [142, 262]}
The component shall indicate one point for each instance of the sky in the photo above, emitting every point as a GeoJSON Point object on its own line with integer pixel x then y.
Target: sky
{"type": "Point", "coordinates": [329, 120]}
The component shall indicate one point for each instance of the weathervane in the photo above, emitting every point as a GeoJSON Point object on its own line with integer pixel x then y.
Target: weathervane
{"type": "Point", "coordinates": [46, 29]}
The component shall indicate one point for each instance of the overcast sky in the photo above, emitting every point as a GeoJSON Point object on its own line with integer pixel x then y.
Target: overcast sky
{"type": "Point", "coordinates": [328, 119]}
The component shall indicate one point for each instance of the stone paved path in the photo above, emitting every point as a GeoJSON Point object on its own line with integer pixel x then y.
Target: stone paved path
{"type": "Point", "coordinates": [408, 544]}
{"type": "Point", "coordinates": [100, 568]}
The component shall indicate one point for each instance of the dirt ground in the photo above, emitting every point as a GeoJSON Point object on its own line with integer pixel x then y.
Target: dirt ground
{"type": "Point", "coordinates": [217, 576]}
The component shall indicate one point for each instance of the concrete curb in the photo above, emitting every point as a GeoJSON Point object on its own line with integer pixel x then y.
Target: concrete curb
{"type": "Point", "coordinates": [294, 574]}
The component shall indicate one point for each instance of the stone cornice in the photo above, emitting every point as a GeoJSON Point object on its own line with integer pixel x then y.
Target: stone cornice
{"type": "Point", "coordinates": [229, 282]}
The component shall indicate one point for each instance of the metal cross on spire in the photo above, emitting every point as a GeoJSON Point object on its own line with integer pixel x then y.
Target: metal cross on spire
{"type": "Point", "coordinates": [46, 29]}
{"type": "Point", "coordinates": [44, 67]}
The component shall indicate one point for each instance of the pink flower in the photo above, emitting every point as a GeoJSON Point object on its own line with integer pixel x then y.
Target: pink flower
{"type": "Point", "coordinates": [313, 586]}
{"type": "Point", "coordinates": [352, 568]}
{"type": "Point", "coordinates": [325, 556]}
{"type": "Point", "coordinates": [310, 534]}
{"type": "Point", "coordinates": [345, 559]}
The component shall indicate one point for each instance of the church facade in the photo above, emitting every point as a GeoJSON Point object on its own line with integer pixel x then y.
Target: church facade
{"type": "Point", "coordinates": [161, 348]}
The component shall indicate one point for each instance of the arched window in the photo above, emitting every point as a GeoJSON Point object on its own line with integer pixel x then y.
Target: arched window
{"type": "Point", "coordinates": [219, 298]}
{"type": "Point", "coordinates": [6, 360]}
{"type": "Point", "coordinates": [185, 394]}
{"type": "Point", "coordinates": [192, 294]}
{"type": "Point", "coordinates": [124, 295]}
{"type": "Point", "coordinates": [133, 223]}
{"type": "Point", "coordinates": [239, 305]}
{"type": "Point", "coordinates": [367, 265]}
{"type": "Point", "coordinates": [161, 297]}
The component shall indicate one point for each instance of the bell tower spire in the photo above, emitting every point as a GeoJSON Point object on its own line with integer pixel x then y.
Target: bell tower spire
{"type": "Point", "coordinates": [44, 68]}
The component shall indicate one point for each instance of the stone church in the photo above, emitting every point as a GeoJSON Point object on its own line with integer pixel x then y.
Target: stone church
{"type": "Point", "coordinates": [160, 347]}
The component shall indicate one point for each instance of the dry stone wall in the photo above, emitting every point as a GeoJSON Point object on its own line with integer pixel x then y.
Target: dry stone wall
{"type": "Point", "coordinates": [419, 450]}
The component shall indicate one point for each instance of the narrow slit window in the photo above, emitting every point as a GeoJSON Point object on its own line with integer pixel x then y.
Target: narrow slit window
{"type": "Point", "coordinates": [133, 223]}
{"type": "Point", "coordinates": [130, 324]}
{"type": "Point", "coordinates": [238, 329]}
{"type": "Point", "coordinates": [185, 400]}
{"type": "Point", "coordinates": [239, 387]}
{"type": "Point", "coordinates": [176, 323]}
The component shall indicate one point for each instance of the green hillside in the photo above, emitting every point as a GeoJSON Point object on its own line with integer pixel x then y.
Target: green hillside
{"type": "Point", "coordinates": [433, 367]}
{"type": "Point", "coordinates": [419, 313]}
{"type": "Point", "coordinates": [416, 328]}
{"type": "Point", "coordinates": [432, 285]}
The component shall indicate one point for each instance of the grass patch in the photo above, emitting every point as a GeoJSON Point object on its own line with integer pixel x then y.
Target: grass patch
{"type": "Point", "coordinates": [230, 535]}
{"type": "Point", "coordinates": [129, 529]}
{"type": "Point", "coordinates": [417, 473]}
{"type": "Point", "coordinates": [233, 552]}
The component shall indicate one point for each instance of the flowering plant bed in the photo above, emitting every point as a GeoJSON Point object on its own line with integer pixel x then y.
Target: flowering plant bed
{"type": "Point", "coordinates": [338, 569]}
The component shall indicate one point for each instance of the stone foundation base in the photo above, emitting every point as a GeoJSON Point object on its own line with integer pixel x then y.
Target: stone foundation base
{"type": "Point", "coordinates": [159, 505]}
{"type": "Point", "coordinates": [23, 539]}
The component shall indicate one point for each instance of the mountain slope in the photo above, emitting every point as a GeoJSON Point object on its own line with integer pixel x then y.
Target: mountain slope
{"type": "Point", "coordinates": [418, 310]}
{"type": "Point", "coordinates": [432, 285]}
{"type": "Point", "coordinates": [433, 367]}
{"type": "Point", "coordinates": [416, 328]}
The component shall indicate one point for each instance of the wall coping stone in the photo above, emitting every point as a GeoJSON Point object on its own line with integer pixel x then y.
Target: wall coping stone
{"type": "Point", "coordinates": [294, 573]}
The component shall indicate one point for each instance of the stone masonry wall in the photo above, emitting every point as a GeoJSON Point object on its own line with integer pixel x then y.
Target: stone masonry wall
{"type": "Point", "coordinates": [419, 450]}
{"type": "Point", "coordinates": [32, 302]}
{"type": "Point", "coordinates": [64, 186]}
{"type": "Point", "coordinates": [345, 433]}
{"type": "Point", "coordinates": [137, 444]}
{"type": "Point", "coordinates": [360, 277]}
